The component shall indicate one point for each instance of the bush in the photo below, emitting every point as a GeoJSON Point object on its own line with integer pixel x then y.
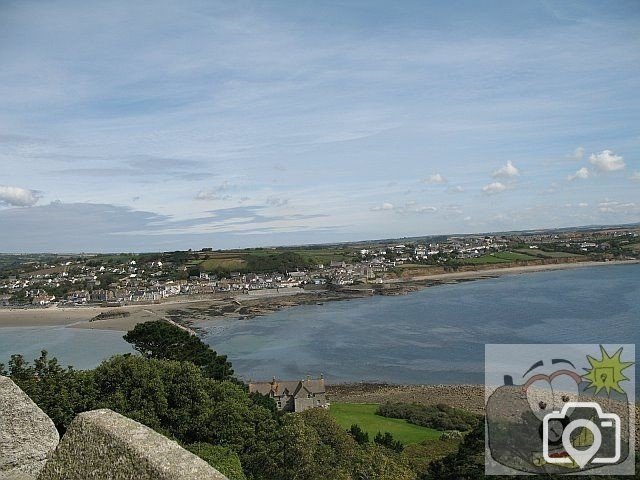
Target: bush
{"type": "Point", "coordinates": [220, 458]}
{"type": "Point", "coordinates": [358, 434]}
{"type": "Point", "coordinates": [440, 417]}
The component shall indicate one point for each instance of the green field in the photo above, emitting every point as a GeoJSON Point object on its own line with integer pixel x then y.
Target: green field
{"type": "Point", "coordinates": [499, 257]}
{"type": "Point", "coordinates": [364, 414]}
{"type": "Point", "coordinates": [543, 254]}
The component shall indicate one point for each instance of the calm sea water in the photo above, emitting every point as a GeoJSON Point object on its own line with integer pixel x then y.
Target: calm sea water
{"type": "Point", "coordinates": [71, 346]}
{"type": "Point", "coordinates": [436, 335]}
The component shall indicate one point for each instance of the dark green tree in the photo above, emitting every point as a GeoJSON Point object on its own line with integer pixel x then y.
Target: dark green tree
{"type": "Point", "coordinates": [162, 340]}
{"type": "Point", "coordinates": [358, 434]}
{"type": "Point", "coordinates": [387, 440]}
{"type": "Point", "coordinates": [61, 393]}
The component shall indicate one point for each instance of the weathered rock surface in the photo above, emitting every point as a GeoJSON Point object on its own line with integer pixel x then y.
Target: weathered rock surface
{"type": "Point", "coordinates": [27, 434]}
{"type": "Point", "coordinates": [104, 445]}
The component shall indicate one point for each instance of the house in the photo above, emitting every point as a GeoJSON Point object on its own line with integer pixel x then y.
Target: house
{"type": "Point", "coordinates": [293, 395]}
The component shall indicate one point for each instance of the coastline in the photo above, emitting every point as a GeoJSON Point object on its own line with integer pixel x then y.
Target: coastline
{"type": "Point", "coordinates": [247, 306]}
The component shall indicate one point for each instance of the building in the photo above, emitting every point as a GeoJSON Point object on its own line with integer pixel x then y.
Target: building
{"type": "Point", "coordinates": [293, 395]}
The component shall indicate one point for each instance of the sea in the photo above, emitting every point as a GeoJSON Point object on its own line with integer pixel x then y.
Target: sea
{"type": "Point", "coordinates": [433, 336]}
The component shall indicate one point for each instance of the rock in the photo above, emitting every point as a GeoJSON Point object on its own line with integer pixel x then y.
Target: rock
{"type": "Point", "coordinates": [104, 445]}
{"type": "Point", "coordinates": [27, 434]}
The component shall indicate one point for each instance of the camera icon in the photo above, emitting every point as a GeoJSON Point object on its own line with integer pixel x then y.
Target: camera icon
{"type": "Point", "coordinates": [556, 430]}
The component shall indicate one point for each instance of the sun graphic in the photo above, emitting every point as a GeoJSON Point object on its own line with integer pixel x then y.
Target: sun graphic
{"type": "Point", "coordinates": [606, 373]}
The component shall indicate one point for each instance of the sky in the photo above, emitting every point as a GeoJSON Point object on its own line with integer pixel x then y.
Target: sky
{"type": "Point", "coordinates": [146, 126]}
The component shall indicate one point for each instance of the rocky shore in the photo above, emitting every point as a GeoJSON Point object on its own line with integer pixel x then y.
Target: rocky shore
{"type": "Point", "coordinates": [192, 309]}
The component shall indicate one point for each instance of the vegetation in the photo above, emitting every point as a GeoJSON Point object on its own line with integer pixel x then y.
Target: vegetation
{"type": "Point", "coordinates": [243, 435]}
{"type": "Point", "coordinates": [239, 434]}
{"type": "Point", "coordinates": [439, 417]}
{"type": "Point", "coordinates": [364, 415]}
{"type": "Point", "coordinates": [223, 459]}
{"type": "Point", "coordinates": [162, 340]}
{"type": "Point", "coordinates": [387, 440]}
{"type": "Point", "coordinates": [499, 257]}
{"type": "Point", "coordinates": [467, 463]}
{"type": "Point", "coordinates": [358, 434]}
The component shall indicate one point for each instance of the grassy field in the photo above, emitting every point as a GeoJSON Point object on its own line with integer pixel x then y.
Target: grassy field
{"type": "Point", "coordinates": [228, 262]}
{"type": "Point", "coordinates": [543, 254]}
{"type": "Point", "coordinates": [364, 414]}
{"type": "Point", "coordinates": [634, 247]}
{"type": "Point", "coordinates": [499, 257]}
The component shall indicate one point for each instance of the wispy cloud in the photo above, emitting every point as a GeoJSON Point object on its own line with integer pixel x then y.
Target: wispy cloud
{"type": "Point", "coordinates": [386, 206]}
{"type": "Point", "coordinates": [582, 174]}
{"type": "Point", "coordinates": [322, 117]}
{"type": "Point", "coordinates": [578, 154]}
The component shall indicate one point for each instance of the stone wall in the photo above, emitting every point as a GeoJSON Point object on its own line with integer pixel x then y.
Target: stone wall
{"type": "Point", "coordinates": [27, 434]}
{"type": "Point", "coordinates": [100, 444]}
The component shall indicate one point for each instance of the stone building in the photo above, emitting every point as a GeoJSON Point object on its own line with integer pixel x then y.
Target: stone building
{"type": "Point", "coordinates": [293, 395]}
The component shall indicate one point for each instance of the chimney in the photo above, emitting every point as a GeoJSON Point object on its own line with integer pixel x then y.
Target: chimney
{"type": "Point", "coordinates": [308, 378]}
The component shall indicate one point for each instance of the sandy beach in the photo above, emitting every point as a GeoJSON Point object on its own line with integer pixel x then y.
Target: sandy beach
{"type": "Point", "coordinates": [248, 305]}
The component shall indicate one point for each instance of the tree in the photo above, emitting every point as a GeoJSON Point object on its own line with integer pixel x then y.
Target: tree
{"type": "Point", "coordinates": [300, 450]}
{"type": "Point", "coordinates": [340, 449]}
{"type": "Point", "coordinates": [358, 434]}
{"type": "Point", "coordinates": [222, 459]}
{"type": "Point", "coordinates": [387, 440]}
{"type": "Point", "coordinates": [162, 340]}
{"type": "Point", "coordinates": [61, 393]}
{"type": "Point", "coordinates": [378, 463]}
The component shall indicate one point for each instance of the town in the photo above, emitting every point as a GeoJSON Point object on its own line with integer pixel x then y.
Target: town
{"type": "Point", "coordinates": [44, 280]}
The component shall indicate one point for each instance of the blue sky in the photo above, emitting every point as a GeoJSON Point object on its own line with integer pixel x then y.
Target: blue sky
{"type": "Point", "coordinates": [139, 126]}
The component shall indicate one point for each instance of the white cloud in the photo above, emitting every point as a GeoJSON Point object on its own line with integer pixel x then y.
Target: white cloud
{"type": "Point", "coordinates": [617, 207]}
{"type": "Point", "coordinates": [581, 174]}
{"type": "Point", "coordinates": [435, 178]}
{"type": "Point", "coordinates": [495, 187]}
{"type": "Point", "coordinates": [577, 154]}
{"type": "Point", "coordinates": [456, 189]}
{"type": "Point", "coordinates": [507, 171]}
{"type": "Point", "coordinates": [18, 197]}
{"type": "Point", "coordinates": [635, 176]}
{"type": "Point", "coordinates": [384, 206]}
{"type": "Point", "coordinates": [607, 161]}
{"type": "Point", "coordinates": [410, 207]}
{"type": "Point", "coordinates": [583, 204]}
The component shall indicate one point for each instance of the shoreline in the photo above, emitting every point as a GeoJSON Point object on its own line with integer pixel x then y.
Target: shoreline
{"type": "Point", "coordinates": [186, 311]}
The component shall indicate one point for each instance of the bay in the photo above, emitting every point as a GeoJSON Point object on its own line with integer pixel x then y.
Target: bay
{"type": "Point", "coordinates": [436, 335]}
